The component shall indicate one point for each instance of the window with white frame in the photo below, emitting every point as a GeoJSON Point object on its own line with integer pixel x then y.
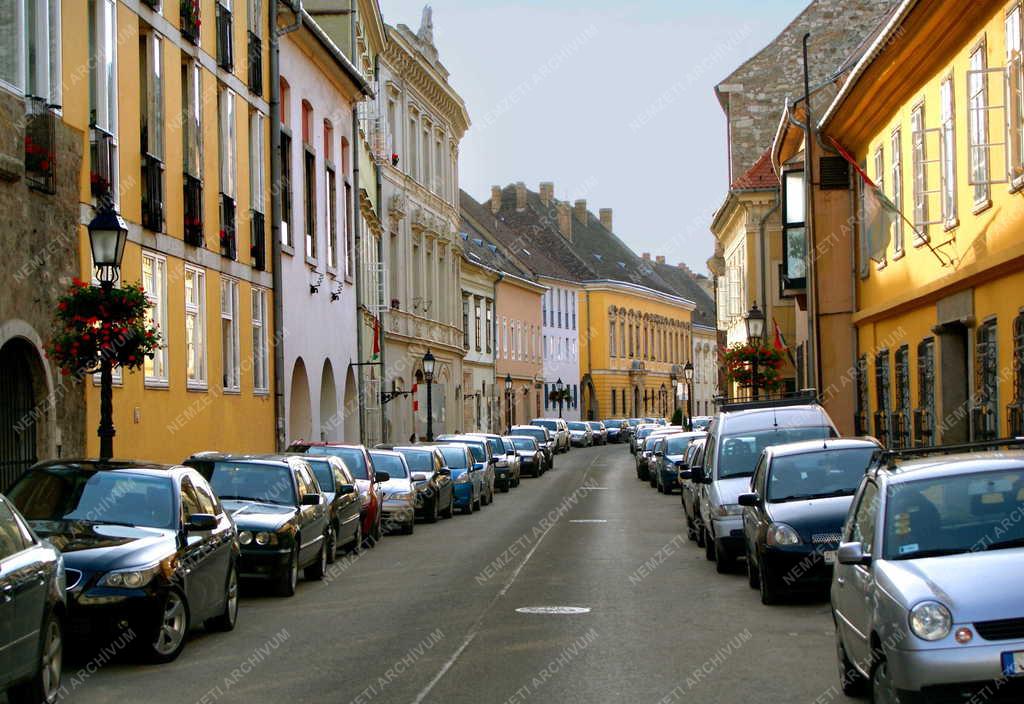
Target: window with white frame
{"type": "Point", "coordinates": [947, 152]}
{"type": "Point", "coordinates": [413, 143]}
{"type": "Point", "coordinates": [260, 363]}
{"type": "Point", "coordinates": [1015, 98]}
{"type": "Point", "coordinates": [228, 156]}
{"type": "Point", "coordinates": [103, 98]}
{"type": "Point", "coordinates": [924, 172]}
{"type": "Point", "coordinates": [154, 283]}
{"type": "Point", "coordinates": [897, 188]}
{"type": "Point", "coordinates": [191, 102]}
{"type": "Point", "coordinates": [30, 60]}
{"type": "Point", "coordinates": [880, 169]}
{"type": "Point", "coordinates": [151, 79]}
{"type": "Point", "coordinates": [230, 347]}
{"type": "Point", "coordinates": [981, 148]}
{"type": "Point", "coordinates": [257, 164]}
{"type": "Point", "coordinates": [195, 327]}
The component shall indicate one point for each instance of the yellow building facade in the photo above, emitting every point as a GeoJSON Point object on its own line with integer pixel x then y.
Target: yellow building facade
{"type": "Point", "coordinates": [940, 329]}
{"type": "Point", "coordinates": [632, 341]}
{"type": "Point", "coordinates": [174, 119]}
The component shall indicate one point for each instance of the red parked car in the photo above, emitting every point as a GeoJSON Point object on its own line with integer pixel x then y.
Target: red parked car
{"type": "Point", "coordinates": [360, 464]}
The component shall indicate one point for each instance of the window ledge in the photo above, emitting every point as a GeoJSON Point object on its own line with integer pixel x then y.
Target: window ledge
{"type": "Point", "coordinates": [288, 249]}
{"type": "Point", "coordinates": [332, 271]}
{"type": "Point", "coordinates": [157, 384]}
{"type": "Point", "coordinates": [921, 240]}
{"type": "Point", "coordinates": [201, 387]}
{"type": "Point", "coordinates": [231, 392]}
{"type": "Point", "coordinates": [981, 206]}
{"type": "Point", "coordinates": [951, 224]}
{"type": "Point", "coordinates": [899, 254]}
{"type": "Point", "coordinates": [261, 392]}
{"type": "Point", "coordinates": [312, 262]}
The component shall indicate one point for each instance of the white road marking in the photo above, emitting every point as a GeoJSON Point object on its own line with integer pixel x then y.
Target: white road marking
{"type": "Point", "coordinates": [553, 610]}
{"type": "Point", "coordinates": [588, 520]}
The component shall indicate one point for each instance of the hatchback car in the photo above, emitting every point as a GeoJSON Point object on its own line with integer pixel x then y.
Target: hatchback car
{"type": "Point", "coordinates": [483, 458]}
{"type": "Point", "coordinates": [531, 458]}
{"type": "Point", "coordinates": [799, 497]}
{"type": "Point", "coordinates": [580, 434]}
{"type": "Point", "coordinates": [926, 592]}
{"type": "Point", "coordinates": [643, 458]}
{"type": "Point", "coordinates": [599, 431]}
{"type": "Point", "coordinates": [32, 612]}
{"type": "Point", "coordinates": [689, 490]}
{"type": "Point", "coordinates": [559, 430]}
{"type": "Point", "coordinates": [467, 475]}
{"type": "Point", "coordinates": [398, 491]}
{"type": "Point", "coordinates": [282, 515]}
{"type": "Point", "coordinates": [639, 435]}
{"type": "Point", "coordinates": [614, 426]}
{"type": "Point", "coordinates": [144, 544]}
{"type": "Point", "coordinates": [544, 441]}
{"type": "Point", "coordinates": [343, 505]}
{"type": "Point", "coordinates": [669, 459]}
{"type": "Point", "coordinates": [512, 458]}
{"type": "Point", "coordinates": [504, 470]}
{"type": "Point", "coordinates": [435, 493]}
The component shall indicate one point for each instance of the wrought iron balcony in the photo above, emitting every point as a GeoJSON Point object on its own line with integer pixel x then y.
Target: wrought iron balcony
{"type": "Point", "coordinates": [228, 240]}
{"type": "Point", "coordinates": [152, 193]}
{"type": "Point", "coordinates": [40, 146]}
{"type": "Point", "coordinates": [193, 211]}
{"type": "Point", "coordinates": [258, 238]}
{"type": "Point", "coordinates": [225, 38]}
{"type": "Point", "coordinates": [255, 64]}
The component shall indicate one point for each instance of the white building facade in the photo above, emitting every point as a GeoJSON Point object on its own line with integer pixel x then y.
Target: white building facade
{"type": "Point", "coordinates": [705, 369]}
{"type": "Point", "coordinates": [560, 330]}
{"type": "Point", "coordinates": [319, 90]}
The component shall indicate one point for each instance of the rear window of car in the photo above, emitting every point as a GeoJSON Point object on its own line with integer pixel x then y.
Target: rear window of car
{"type": "Point", "coordinates": [454, 457]}
{"type": "Point", "coordinates": [738, 453]}
{"type": "Point", "coordinates": [534, 433]}
{"type": "Point", "coordinates": [323, 473]}
{"type": "Point", "coordinates": [613, 424]}
{"type": "Point", "coordinates": [525, 444]}
{"type": "Point", "coordinates": [677, 446]}
{"type": "Point", "coordinates": [577, 426]}
{"type": "Point", "coordinates": [545, 423]}
{"type": "Point", "coordinates": [390, 464]}
{"type": "Point", "coordinates": [353, 458]}
{"type": "Point", "coordinates": [418, 460]}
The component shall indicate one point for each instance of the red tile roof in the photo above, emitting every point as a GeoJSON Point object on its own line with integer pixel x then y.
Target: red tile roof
{"type": "Point", "coordinates": [760, 176]}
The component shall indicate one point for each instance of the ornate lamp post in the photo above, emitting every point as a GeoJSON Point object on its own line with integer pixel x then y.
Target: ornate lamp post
{"type": "Point", "coordinates": [559, 390]}
{"type": "Point", "coordinates": [688, 375]}
{"type": "Point", "coordinates": [428, 376]}
{"type": "Point", "coordinates": [754, 320]}
{"type": "Point", "coordinates": [508, 399]}
{"type": "Point", "coordinates": [107, 236]}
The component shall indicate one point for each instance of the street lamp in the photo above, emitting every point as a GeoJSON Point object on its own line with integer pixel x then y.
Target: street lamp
{"type": "Point", "coordinates": [754, 320]}
{"type": "Point", "coordinates": [559, 388]}
{"type": "Point", "coordinates": [428, 376]}
{"type": "Point", "coordinates": [508, 400]}
{"type": "Point", "coordinates": [688, 375]}
{"type": "Point", "coordinates": [107, 236]}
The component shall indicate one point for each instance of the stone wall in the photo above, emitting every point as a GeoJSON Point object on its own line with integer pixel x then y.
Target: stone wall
{"type": "Point", "coordinates": [753, 96]}
{"type": "Point", "coordinates": [39, 240]}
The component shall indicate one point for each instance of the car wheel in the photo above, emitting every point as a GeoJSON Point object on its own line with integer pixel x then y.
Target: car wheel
{"type": "Point", "coordinates": [691, 532]}
{"type": "Point", "coordinates": [332, 544]}
{"type": "Point", "coordinates": [289, 581]}
{"type": "Point", "coordinates": [753, 578]}
{"type": "Point", "coordinates": [450, 511]}
{"type": "Point", "coordinates": [167, 639]}
{"type": "Point", "coordinates": [470, 506]}
{"type": "Point", "coordinates": [318, 569]}
{"type": "Point", "coordinates": [723, 561]}
{"type": "Point", "coordinates": [227, 619]}
{"type": "Point", "coordinates": [478, 504]}
{"type": "Point", "coordinates": [431, 515]}
{"type": "Point", "coordinates": [378, 529]}
{"type": "Point", "coordinates": [850, 678]}
{"type": "Point", "coordinates": [44, 687]}
{"type": "Point", "coordinates": [882, 691]}
{"type": "Point", "coordinates": [769, 592]}
{"type": "Point", "coordinates": [410, 527]}
{"type": "Point", "coordinates": [356, 546]}
{"type": "Point", "coordinates": [709, 547]}
{"type": "Point", "coordinates": [700, 535]}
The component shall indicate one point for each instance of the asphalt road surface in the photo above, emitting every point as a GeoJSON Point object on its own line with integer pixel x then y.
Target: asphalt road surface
{"type": "Point", "coordinates": [625, 610]}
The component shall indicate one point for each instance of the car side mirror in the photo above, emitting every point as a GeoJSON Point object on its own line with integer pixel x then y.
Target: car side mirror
{"type": "Point", "coordinates": [311, 499]}
{"type": "Point", "coordinates": [853, 554]}
{"type": "Point", "coordinates": [659, 453]}
{"type": "Point", "coordinates": [199, 522]}
{"type": "Point", "coordinates": [493, 460]}
{"type": "Point", "coordinates": [383, 477]}
{"type": "Point", "coordinates": [686, 474]}
{"type": "Point", "coordinates": [347, 489]}
{"type": "Point", "coordinates": [681, 464]}
{"type": "Point", "coordinates": [444, 471]}
{"type": "Point", "coordinates": [747, 500]}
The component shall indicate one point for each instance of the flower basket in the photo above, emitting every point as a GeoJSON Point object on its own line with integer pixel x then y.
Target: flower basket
{"type": "Point", "coordinates": [92, 324]}
{"type": "Point", "coordinates": [555, 396]}
{"type": "Point", "coordinates": [394, 158]}
{"type": "Point", "coordinates": [738, 362]}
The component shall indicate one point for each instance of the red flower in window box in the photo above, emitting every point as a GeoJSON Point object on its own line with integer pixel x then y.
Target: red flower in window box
{"type": "Point", "coordinates": [394, 158]}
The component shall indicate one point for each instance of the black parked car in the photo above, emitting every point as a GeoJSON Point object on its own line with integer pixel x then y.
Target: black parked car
{"type": "Point", "coordinates": [339, 488]}
{"type": "Point", "coordinates": [32, 611]}
{"type": "Point", "coordinates": [281, 514]}
{"type": "Point", "coordinates": [669, 459]}
{"type": "Point", "coordinates": [794, 514]}
{"type": "Point", "coordinates": [144, 544]}
{"type": "Point", "coordinates": [531, 457]}
{"type": "Point", "coordinates": [435, 493]}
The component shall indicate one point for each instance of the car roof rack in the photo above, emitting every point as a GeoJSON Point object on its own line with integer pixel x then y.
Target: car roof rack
{"type": "Point", "coordinates": [886, 458]}
{"type": "Point", "coordinates": [793, 398]}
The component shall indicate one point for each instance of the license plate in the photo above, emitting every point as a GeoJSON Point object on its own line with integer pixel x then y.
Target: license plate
{"type": "Point", "coordinates": [1013, 664]}
{"type": "Point", "coordinates": [830, 557]}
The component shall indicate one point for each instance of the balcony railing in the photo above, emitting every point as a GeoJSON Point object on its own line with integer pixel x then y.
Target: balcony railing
{"type": "Point", "coordinates": [190, 20]}
{"type": "Point", "coordinates": [193, 211]}
{"type": "Point", "coordinates": [1015, 413]}
{"type": "Point", "coordinates": [152, 193]}
{"type": "Point", "coordinates": [40, 146]}
{"type": "Point", "coordinates": [255, 63]}
{"type": "Point", "coordinates": [258, 237]}
{"type": "Point", "coordinates": [225, 39]}
{"type": "Point", "coordinates": [923, 427]}
{"type": "Point", "coordinates": [228, 241]}
{"type": "Point", "coordinates": [984, 423]}
{"type": "Point", "coordinates": [102, 166]}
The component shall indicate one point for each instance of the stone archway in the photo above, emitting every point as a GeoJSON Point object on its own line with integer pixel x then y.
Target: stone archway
{"type": "Point", "coordinates": [591, 407]}
{"type": "Point", "coordinates": [300, 415]}
{"type": "Point", "coordinates": [330, 420]}
{"type": "Point", "coordinates": [351, 408]}
{"type": "Point", "coordinates": [26, 419]}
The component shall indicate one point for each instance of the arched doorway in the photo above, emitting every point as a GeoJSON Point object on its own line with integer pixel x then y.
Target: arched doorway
{"type": "Point", "coordinates": [636, 401]}
{"type": "Point", "coordinates": [351, 408]}
{"type": "Point", "coordinates": [24, 416]}
{"type": "Point", "coordinates": [330, 421]}
{"type": "Point", "coordinates": [591, 409]}
{"type": "Point", "coordinates": [300, 414]}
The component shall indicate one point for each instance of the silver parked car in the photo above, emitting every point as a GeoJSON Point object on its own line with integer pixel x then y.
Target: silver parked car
{"type": "Point", "coordinates": [559, 430]}
{"type": "Point", "coordinates": [927, 593]}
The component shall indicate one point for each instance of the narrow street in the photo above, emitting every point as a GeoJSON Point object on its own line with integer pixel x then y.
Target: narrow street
{"type": "Point", "coordinates": [433, 617]}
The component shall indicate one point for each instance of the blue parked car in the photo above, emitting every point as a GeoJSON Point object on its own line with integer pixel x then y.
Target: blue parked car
{"type": "Point", "coordinates": [467, 476]}
{"type": "Point", "coordinates": [484, 458]}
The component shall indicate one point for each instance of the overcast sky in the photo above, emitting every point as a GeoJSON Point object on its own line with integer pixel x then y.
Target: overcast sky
{"type": "Point", "coordinates": [611, 100]}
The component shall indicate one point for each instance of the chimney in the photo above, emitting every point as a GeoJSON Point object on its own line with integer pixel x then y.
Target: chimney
{"type": "Point", "coordinates": [606, 218]}
{"type": "Point", "coordinates": [564, 220]}
{"type": "Point", "coordinates": [547, 192]}
{"type": "Point", "coordinates": [660, 259]}
{"type": "Point", "coordinates": [495, 199]}
{"type": "Point", "coordinates": [581, 210]}
{"type": "Point", "coordinates": [646, 256]}
{"type": "Point", "coordinates": [520, 196]}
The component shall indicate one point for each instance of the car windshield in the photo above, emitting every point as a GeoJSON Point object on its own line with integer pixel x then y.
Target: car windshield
{"type": "Point", "coordinates": [391, 464]}
{"type": "Point", "coordinates": [324, 473]}
{"type": "Point", "coordinates": [419, 460]}
{"type": "Point", "coordinates": [650, 443]}
{"type": "Point", "coordinates": [677, 445]}
{"type": "Point", "coordinates": [577, 426]}
{"type": "Point", "coordinates": [953, 514]}
{"type": "Point", "coordinates": [497, 447]}
{"type": "Point", "coordinates": [353, 458]}
{"type": "Point", "coordinates": [454, 457]}
{"type": "Point", "coordinates": [478, 452]}
{"type": "Point", "coordinates": [525, 444]}
{"type": "Point", "coordinates": [509, 444]}
{"type": "Point", "coordinates": [534, 433]}
{"type": "Point", "coordinates": [643, 433]}
{"type": "Point", "coordinates": [633, 421]}
{"type": "Point", "coordinates": [594, 425]}
{"type": "Point", "coordinates": [738, 454]}
{"type": "Point", "coordinates": [251, 481]}
{"type": "Point", "coordinates": [818, 474]}
{"type": "Point", "coordinates": [119, 498]}
{"type": "Point", "coordinates": [613, 424]}
{"type": "Point", "coordinates": [546, 423]}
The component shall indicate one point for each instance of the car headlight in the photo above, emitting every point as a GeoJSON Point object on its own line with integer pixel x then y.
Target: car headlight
{"type": "Point", "coordinates": [265, 538]}
{"type": "Point", "coordinates": [130, 579]}
{"type": "Point", "coordinates": [728, 510]}
{"type": "Point", "coordinates": [930, 620]}
{"type": "Point", "coordinates": [245, 537]}
{"type": "Point", "coordinates": [462, 478]}
{"type": "Point", "coordinates": [782, 534]}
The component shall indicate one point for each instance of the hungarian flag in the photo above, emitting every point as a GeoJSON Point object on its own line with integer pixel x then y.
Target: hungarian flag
{"type": "Point", "coordinates": [780, 342]}
{"type": "Point", "coordinates": [415, 401]}
{"type": "Point", "coordinates": [375, 357]}
{"type": "Point", "coordinates": [880, 214]}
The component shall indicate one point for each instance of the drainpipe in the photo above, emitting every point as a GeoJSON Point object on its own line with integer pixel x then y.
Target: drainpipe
{"type": "Point", "coordinates": [380, 253]}
{"type": "Point", "coordinates": [357, 254]}
{"type": "Point", "coordinates": [813, 331]}
{"type": "Point", "coordinates": [275, 34]}
{"type": "Point", "coordinates": [494, 347]}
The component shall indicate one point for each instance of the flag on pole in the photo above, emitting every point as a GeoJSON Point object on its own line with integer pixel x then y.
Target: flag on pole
{"type": "Point", "coordinates": [880, 214]}
{"type": "Point", "coordinates": [415, 400]}
{"type": "Point", "coordinates": [375, 357]}
{"type": "Point", "coordinates": [780, 342]}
